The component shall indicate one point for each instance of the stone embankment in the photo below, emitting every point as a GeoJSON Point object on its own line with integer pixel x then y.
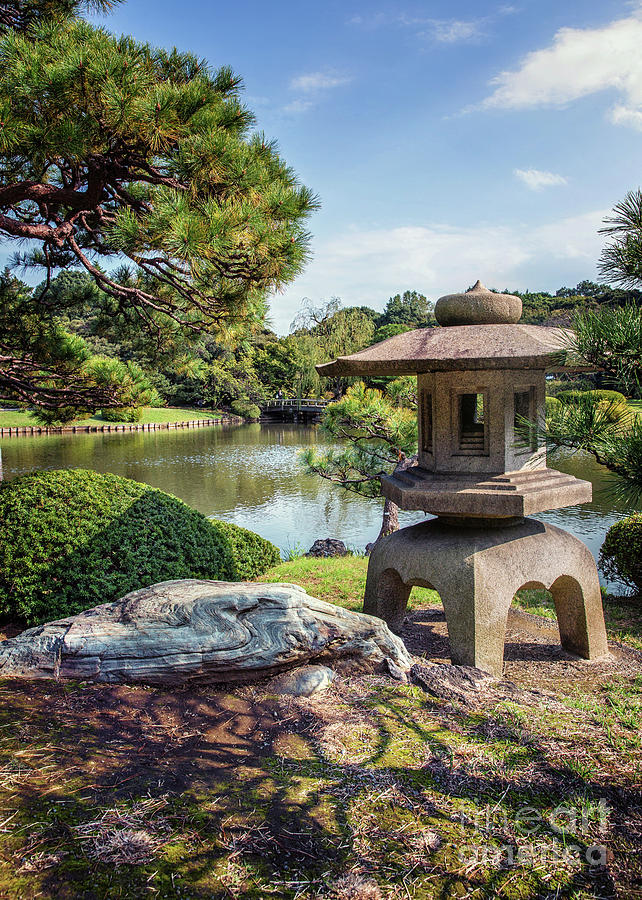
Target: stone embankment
{"type": "Point", "coordinates": [28, 430]}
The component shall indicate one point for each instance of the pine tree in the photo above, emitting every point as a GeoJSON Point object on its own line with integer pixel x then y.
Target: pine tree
{"type": "Point", "coordinates": [141, 167]}
{"type": "Point", "coordinates": [376, 433]}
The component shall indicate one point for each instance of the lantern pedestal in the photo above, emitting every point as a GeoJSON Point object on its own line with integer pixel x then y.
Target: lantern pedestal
{"type": "Point", "coordinates": [477, 569]}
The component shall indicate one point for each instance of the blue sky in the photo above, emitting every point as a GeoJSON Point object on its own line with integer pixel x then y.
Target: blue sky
{"type": "Point", "coordinates": [447, 141]}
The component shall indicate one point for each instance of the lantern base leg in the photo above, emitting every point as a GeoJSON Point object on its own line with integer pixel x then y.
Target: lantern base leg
{"type": "Point", "coordinates": [477, 572]}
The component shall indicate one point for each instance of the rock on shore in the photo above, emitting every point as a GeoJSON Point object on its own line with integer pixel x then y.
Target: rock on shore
{"type": "Point", "coordinates": [192, 631]}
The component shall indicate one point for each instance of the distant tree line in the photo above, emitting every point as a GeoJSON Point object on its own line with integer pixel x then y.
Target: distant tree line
{"type": "Point", "coordinates": [215, 368]}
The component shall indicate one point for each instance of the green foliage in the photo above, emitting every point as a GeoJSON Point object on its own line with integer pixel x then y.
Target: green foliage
{"type": "Point", "coordinates": [123, 414]}
{"type": "Point", "coordinates": [24, 15]}
{"type": "Point", "coordinates": [621, 553]}
{"type": "Point", "coordinates": [555, 385]}
{"type": "Point", "coordinates": [603, 394]}
{"type": "Point", "coordinates": [611, 340]}
{"type": "Point", "coordinates": [621, 260]}
{"type": "Point", "coordinates": [287, 365]}
{"type": "Point", "coordinates": [410, 308]}
{"type": "Point", "coordinates": [551, 405]}
{"type": "Point", "coordinates": [607, 429]}
{"type": "Point", "coordinates": [42, 362]}
{"type": "Point", "coordinates": [598, 394]}
{"type": "Point", "coordinates": [541, 307]}
{"type": "Point", "coordinates": [403, 391]}
{"type": "Point", "coordinates": [570, 396]}
{"type": "Point", "coordinates": [73, 539]}
{"type": "Point", "coordinates": [245, 409]}
{"type": "Point", "coordinates": [387, 331]}
{"type": "Point", "coordinates": [374, 434]}
{"type": "Point", "coordinates": [115, 151]}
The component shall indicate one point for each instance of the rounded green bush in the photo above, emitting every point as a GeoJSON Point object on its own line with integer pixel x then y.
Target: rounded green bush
{"type": "Point", "coordinates": [123, 414]}
{"type": "Point", "coordinates": [595, 394]}
{"type": "Point", "coordinates": [72, 539]}
{"type": "Point", "coordinates": [245, 409]}
{"type": "Point", "coordinates": [621, 553]}
{"type": "Point", "coordinates": [570, 396]}
{"type": "Point", "coordinates": [601, 394]}
{"type": "Point", "coordinates": [551, 405]}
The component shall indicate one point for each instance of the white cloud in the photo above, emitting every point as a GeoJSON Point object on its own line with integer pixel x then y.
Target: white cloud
{"type": "Point", "coordinates": [442, 31]}
{"type": "Point", "coordinates": [579, 62]}
{"type": "Point", "coordinates": [310, 87]}
{"type": "Point", "coordinates": [366, 266]}
{"type": "Point", "coordinates": [317, 81]}
{"type": "Point", "coordinates": [624, 115]}
{"type": "Point", "coordinates": [300, 105]}
{"type": "Point", "coordinates": [535, 180]}
{"type": "Point", "coordinates": [454, 31]}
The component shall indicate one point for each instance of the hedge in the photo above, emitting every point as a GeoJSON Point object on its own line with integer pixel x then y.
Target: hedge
{"type": "Point", "coordinates": [552, 404]}
{"type": "Point", "coordinates": [572, 396]}
{"type": "Point", "coordinates": [621, 553]}
{"type": "Point", "coordinates": [123, 414]}
{"type": "Point", "coordinates": [72, 539]}
{"type": "Point", "coordinates": [245, 409]}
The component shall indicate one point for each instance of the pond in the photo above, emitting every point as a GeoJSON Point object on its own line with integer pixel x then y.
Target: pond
{"type": "Point", "coordinates": [251, 475]}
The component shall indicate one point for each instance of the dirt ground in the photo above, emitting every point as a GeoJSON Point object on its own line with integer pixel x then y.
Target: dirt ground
{"type": "Point", "coordinates": [372, 789]}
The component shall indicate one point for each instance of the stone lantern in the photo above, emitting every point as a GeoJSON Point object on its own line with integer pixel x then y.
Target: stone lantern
{"type": "Point", "coordinates": [479, 377]}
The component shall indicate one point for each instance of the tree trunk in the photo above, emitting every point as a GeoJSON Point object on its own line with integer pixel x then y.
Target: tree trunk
{"type": "Point", "coordinates": [390, 520]}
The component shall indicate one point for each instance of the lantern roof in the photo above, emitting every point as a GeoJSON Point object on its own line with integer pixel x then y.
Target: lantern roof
{"type": "Point", "coordinates": [480, 330]}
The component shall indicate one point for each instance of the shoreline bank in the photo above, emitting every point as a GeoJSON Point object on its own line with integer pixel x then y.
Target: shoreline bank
{"type": "Point", "coordinates": [33, 430]}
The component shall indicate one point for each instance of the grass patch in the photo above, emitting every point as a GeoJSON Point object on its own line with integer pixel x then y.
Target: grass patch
{"type": "Point", "coordinates": [622, 615]}
{"type": "Point", "coordinates": [368, 791]}
{"type": "Point", "coordinates": [151, 415]}
{"type": "Point", "coordinates": [371, 791]}
{"type": "Point", "coordinates": [340, 580]}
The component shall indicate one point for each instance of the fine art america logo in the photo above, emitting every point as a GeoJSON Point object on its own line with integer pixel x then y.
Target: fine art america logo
{"type": "Point", "coordinates": [559, 839]}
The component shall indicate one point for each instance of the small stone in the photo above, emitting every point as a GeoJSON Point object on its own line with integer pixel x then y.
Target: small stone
{"type": "Point", "coordinates": [328, 547]}
{"type": "Point", "coordinates": [450, 682]}
{"type": "Point", "coordinates": [395, 671]}
{"type": "Point", "coordinates": [304, 681]}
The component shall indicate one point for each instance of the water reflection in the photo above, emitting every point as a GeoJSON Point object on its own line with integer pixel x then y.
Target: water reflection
{"type": "Point", "coordinates": [251, 475]}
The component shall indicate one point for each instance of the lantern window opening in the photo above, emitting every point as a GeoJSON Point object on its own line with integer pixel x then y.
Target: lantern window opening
{"type": "Point", "coordinates": [426, 422]}
{"type": "Point", "coordinates": [524, 415]}
{"type": "Point", "coordinates": [472, 419]}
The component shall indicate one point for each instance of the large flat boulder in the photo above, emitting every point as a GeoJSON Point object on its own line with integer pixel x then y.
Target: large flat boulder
{"type": "Point", "coordinates": [182, 632]}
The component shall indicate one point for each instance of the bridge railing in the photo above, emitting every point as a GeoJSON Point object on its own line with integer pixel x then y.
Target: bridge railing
{"type": "Point", "coordinates": [296, 403]}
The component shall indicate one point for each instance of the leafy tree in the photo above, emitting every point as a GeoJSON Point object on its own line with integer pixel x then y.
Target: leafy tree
{"type": "Point", "coordinates": [287, 365]}
{"type": "Point", "coordinates": [376, 435]}
{"type": "Point", "coordinates": [40, 357]}
{"type": "Point", "coordinates": [139, 166]}
{"type": "Point", "coordinates": [24, 15]}
{"type": "Point", "coordinates": [384, 332]}
{"type": "Point", "coordinates": [336, 331]}
{"type": "Point", "coordinates": [410, 308]}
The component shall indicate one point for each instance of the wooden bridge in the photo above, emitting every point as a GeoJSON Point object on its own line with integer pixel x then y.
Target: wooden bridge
{"type": "Point", "coordinates": [307, 408]}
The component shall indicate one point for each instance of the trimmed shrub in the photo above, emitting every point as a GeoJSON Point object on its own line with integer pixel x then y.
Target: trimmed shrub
{"type": "Point", "coordinates": [596, 394]}
{"type": "Point", "coordinates": [72, 539]}
{"type": "Point", "coordinates": [552, 404]}
{"type": "Point", "coordinates": [570, 396]}
{"type": "Point", "coordinates": [601, 394]}
{"type": "Point", "coordinates": [617, 411]}
{"type": "Point", "coordinates": [123, 414]}
{"type": "Point", "coordinates": [245, 409]}
{"type": "Point", "coordinates": [621, 553]}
